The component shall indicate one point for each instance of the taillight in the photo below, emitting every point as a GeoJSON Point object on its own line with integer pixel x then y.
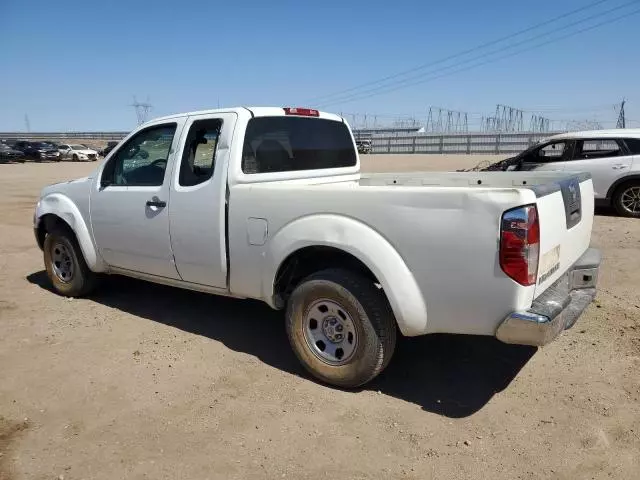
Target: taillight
{"type": "Point", "coordinates": [302, 112]}
{"type": "Point", "coordinates": [520, 244]}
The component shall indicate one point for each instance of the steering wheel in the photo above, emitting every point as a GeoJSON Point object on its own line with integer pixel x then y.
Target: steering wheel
{"type": "Point", "coordinates": [157, 162]}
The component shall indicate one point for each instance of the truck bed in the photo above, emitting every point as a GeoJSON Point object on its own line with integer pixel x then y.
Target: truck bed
{"type": "Point", "coordinates": [445, 227]}
{"type": "Point", "coordinates": [541, 183]}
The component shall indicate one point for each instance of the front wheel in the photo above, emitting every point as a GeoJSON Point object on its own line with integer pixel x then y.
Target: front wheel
{"type": "Point", "coordinates": [341, 327]}
{"type": "Point", "coordinates": [626, 200]}
{"type": "Point", "coordinates": [75, 157]}
{"type": "Point", "coordinates": [65, 264]}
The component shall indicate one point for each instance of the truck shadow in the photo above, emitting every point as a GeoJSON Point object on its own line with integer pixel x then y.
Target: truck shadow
{"type": "Point", "coordinates": [450, 375]}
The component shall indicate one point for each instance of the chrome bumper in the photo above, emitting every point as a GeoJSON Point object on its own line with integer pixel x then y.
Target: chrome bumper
{"type": "Point", "coordinates": [557, 308]}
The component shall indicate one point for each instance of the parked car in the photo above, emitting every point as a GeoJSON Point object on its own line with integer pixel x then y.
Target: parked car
{"type": "Point", "coordinates": [110, 146]}
{"type": "Point", "coordinates": [38, 150]}
{"type": "Point", "coordinates": [270, 204]}
{"type": "Point", "coordinates": [77, 152]}
{"type": "Point", "coordinates": [364, 146]}
{"type": "Point", "coordinates": [612, 157]}
{"type": "Point", "coordinates": [8, 153]}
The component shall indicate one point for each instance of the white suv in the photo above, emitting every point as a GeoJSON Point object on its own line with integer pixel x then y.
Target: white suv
{"type": "Point", "coordinates": [611, 156]}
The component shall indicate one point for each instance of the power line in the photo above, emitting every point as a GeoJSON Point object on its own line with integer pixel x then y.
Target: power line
{"type": "Point", "coordinates": [462, 53]}
{"type": "Point", "coordinates": [403, 82]}
{"type": "Point", "coordinates": [390, 88]}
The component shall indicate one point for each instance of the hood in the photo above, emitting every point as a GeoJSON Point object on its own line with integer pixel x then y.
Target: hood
{"type": "Point", "coordinates": [88, 151]}
{"type": "Point", "coordinates": [62, 187]}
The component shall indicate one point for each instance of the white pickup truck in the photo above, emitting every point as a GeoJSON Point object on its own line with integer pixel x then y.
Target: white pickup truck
{"type": "Point", "coordinates": [269, 203]}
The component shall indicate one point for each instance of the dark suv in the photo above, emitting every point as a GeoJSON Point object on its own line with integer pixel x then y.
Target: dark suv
{"type": "Point", "coordinates": [38, 150]}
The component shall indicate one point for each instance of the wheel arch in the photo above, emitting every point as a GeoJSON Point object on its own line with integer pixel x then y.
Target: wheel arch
{"type": "Point", "coordinates": [318, 242]}
{"type": "Point", "coordinates": [58, 210]}
{"type": "Point", "coordinates": [619, 182]}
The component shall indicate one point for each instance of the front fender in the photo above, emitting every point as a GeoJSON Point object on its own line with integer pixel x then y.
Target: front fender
{"type": "Point", "coordinates": [63, 207]}
{"type": "Point", "coordinates": [364, 243]}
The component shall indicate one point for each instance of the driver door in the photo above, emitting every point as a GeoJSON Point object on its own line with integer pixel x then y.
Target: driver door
{"type": "Point", "coordinates": [129, 202]}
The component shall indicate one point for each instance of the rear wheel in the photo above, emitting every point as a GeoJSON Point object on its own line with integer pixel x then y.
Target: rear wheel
{"type": "Point", "coordinates": [65, 264]}
{"type": "Point", "coordinates": [341, 327]}
{"type": "Point", "coordinates": [626, 200]}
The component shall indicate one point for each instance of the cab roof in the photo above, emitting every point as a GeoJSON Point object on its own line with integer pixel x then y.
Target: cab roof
{"type": "Point", "coordinates": [255, 111]}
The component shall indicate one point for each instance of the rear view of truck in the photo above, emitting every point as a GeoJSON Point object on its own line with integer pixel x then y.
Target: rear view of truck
{"type": "Point", "coordinates": [550, 252]}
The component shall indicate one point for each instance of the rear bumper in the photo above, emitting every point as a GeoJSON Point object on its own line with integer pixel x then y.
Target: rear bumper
{"type": "Point", "coordinates": [557, 308]}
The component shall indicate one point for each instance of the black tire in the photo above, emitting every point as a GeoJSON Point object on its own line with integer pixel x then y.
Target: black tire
{"type": "Point", "coordinates": [80, 281]}
{"type": "Point", "coordinates": [623, 194]}
{"type": "Point", "coordinates": [367, 309]}
{"type": "Point", "coordinates": [75, 157]}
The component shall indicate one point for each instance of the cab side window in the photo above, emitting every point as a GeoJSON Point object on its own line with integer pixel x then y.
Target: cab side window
{"type": "Point", "coordinates": [199, 156]}
{"type": "Point", "coordinates": [141, 161]}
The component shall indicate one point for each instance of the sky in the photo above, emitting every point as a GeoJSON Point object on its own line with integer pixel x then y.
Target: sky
{"type": "Point", "coordinates": [74, 65]}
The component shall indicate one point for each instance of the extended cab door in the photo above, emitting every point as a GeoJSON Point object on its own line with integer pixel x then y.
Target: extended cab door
{"type": "Point", "coordinates": [130, 202]}
{"type": "Point", "coordinates": [606, 159]}
{"type": "Point", "coordinates": [198, 199]}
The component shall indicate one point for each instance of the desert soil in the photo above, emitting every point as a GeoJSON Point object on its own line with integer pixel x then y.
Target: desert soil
{"type": "Point", "coordinates": [144, 381]}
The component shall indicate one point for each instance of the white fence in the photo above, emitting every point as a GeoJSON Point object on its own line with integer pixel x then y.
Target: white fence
{"type": "Point", "coordinates": [467, 143]}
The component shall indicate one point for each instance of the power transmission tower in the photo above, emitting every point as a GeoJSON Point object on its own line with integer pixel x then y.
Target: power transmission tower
{"type": "Point", "coordinates": [142, 110]}
{"type": "Point", "coordinates": [442, 120]}
{"type": "Point", "coordinates": [539, 124]}
{"type": "Point", "coordinates": [622, 121]}
{"type": "Point", "coordinates": [27, 124]}
{"type": "Point", "coordinates": [508, 119]}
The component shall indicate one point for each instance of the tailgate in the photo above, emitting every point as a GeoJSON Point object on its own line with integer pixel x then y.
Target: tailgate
{"type": "Point", "coordinates": [565, 209]}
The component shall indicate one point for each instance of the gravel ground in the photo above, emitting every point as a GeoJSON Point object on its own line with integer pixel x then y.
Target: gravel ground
{"type": "Point", "coordinates": [144, 381]}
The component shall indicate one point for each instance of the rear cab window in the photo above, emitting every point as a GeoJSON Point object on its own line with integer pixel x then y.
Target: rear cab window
{"type": "Point", "coordinates": [282, 144]}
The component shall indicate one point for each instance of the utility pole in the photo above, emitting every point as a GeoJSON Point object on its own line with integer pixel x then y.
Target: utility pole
{"type": "Point", "coordinates": [27, 124]}
{"type": "Point", "coordinates": [142, 110]}
{"type": "Point", "coordinates": [622, 121]}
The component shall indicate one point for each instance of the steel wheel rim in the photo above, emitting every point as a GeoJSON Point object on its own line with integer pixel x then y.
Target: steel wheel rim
{"type": "Point", "coordinates": [630, 200]}
{"type": "Point", "coordinates": [62, 262]}
{"type": "Point", "coordinates": [330, 332]}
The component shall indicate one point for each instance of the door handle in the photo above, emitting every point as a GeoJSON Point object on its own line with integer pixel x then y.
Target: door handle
{"type": "Point", "coordinates": [156, 203]}
{"type": "Point", "coordinates": [619, 166]}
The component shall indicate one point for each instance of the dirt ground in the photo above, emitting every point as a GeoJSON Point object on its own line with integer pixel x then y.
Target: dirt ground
{"type": "Point", "coordinates": [144, 381]}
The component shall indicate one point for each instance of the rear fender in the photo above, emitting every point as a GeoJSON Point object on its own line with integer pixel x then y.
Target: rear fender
{"type": "Point", "coordinates": [62, 207]}
{"type": "Point", "coordinates": [364, 243]}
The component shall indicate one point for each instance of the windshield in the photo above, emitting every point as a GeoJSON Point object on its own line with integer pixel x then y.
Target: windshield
{"type": "Point", "coordinates": [280, 144]}
{"type": "Point", "coordinates": [78, 147]}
